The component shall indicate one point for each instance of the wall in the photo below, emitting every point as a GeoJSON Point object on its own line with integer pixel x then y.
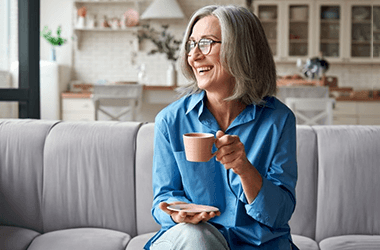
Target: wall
{"type": "Point", "coordinates": [112, 56]}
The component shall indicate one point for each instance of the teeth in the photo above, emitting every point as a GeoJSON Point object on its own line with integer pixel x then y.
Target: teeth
{"type": "Point", "coordinates": [202, 69]}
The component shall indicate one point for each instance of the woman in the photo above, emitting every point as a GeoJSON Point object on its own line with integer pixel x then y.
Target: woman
{"type": "Point", "coordinates": [253, 176]}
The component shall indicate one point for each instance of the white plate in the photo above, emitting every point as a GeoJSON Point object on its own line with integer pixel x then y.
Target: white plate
{"type": "Point", "coordinates": [192, 208]}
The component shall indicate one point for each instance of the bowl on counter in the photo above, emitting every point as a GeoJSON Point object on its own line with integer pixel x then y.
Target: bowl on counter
{"type": "Point", "coordinates": [267, 15]}
{"type": "Point", "coordinates": [329, 14]}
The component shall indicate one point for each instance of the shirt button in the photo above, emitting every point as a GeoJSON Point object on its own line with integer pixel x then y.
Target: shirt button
{"type": "Point", "coordinates": [258, 215]}
{"type": "Point", "coordinates": [267, 218]}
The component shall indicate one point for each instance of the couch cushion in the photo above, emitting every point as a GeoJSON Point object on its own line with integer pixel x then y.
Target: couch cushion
{"type": "Point", "coordinates": [144, 191]}
{"type": "Point", "coordinates": [16, 238]}
{"type": "Point", "coordinates": [81, 239]}
{"type": "Point", "coordinates": [351, 242]}
{"type": "Point", "coordinates": [138, 242]}
{"type": "Point", "coordinates": [348, 188]}
{"type": "Point", "coordinates": [22, 142]}
{"type": "Point", "coordinates": [303, 220]}
{"type": "Point", "coordinates": [304, 243]}
{"type": "Point", "coordinates": [89, 176]}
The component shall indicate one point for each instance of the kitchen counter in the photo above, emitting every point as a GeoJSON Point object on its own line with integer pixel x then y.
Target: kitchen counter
{"type": "Point", "coordinates": [151, 94]}
{"type": "Point", "coordinates": [80, 106]}
{"type": "Point", "coordinates": [355, 99]}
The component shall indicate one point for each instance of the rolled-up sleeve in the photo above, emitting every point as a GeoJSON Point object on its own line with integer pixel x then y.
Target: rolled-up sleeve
{"type": "Point", "coordinates": [276, 201]}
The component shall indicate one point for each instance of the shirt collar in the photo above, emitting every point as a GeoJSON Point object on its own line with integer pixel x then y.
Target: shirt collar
{"type": "Point", "coordinates": [195, 99]}
{"type": "Point", "coordinates": [247, 115]}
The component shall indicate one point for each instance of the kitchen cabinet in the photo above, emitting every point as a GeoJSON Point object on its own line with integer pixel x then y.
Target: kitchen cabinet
{"type": "Point", "coordinates": [364, 31]}
{"type": "Point", "coordinates": [344, 31]}
{"type": "Point", "coordinates": [356, 113]}
{"type": "Point", "coordinates": [330, 31]}
{"type": "Point", "coordinates": [78, 108]}
{"type": "Point", "coordinates": [287, 26]}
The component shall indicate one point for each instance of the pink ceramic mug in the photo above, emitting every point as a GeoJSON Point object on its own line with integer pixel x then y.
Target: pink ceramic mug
{"type": "Point", "coordinates": [198, 146]}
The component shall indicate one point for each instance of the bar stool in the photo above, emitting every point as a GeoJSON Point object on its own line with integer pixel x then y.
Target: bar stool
{"type": "Point", "coordinates": [126, 97]}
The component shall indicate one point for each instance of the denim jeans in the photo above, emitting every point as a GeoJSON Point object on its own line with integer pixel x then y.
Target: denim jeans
{"type": "Point", "coordinates": [184, 236]}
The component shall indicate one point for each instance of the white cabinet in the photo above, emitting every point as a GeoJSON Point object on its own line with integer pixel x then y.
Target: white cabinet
{"type": "Point", "coordinates": [344, 31]}
{"type": "Point", "coordinates": [356, 113]}
{"type": "Point", "coordinates": [364, 30]}
{"type": "Point", "coordinates": [330, 30]}
{"type": "Point", "coordinates": [78, 109]}
{"type": "Point", "coordinates": [288, 27]}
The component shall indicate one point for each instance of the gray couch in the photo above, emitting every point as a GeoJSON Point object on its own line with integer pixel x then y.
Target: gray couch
{"type": "Point", "coordinates": [72, 185]}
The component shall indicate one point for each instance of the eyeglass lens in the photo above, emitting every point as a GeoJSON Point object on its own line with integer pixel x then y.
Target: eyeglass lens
{"type": "Point", "coordinates": [203, 45]}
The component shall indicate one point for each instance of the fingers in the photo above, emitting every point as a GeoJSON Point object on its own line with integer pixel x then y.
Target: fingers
{"type": "Point", "coordinates": [164, 207]}
{"type": "Point", "coordinates": [183, 217]}
{"type": "Point", "coordinates": [224, 140]}
{"type": "Point", "coordinates": [219, 134]}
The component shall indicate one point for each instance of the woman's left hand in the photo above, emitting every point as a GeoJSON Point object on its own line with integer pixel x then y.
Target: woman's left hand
{"type": "Point", "coordinates": [231, 153]}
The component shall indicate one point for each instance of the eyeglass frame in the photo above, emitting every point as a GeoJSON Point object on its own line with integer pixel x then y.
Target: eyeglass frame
{"type": "Point", "coordinates": [210, 42]}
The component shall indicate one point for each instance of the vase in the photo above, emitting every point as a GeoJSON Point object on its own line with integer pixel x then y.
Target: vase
{"type": "Point", "coordinates": [53, 57]}
{"type": "Point", "coordinates": [81, 23]}
{"type": "Point", "coordinates": [171, 75]}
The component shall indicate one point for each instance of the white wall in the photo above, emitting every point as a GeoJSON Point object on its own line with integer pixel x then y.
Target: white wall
{"type": "Point", "coordinates": [3, 35]}
{"type": "Point", "coordinates": [53, 14]}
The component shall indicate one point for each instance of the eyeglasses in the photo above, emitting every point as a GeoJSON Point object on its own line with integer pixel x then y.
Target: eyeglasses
{"type": "Point", "coordinates": [204, 45]}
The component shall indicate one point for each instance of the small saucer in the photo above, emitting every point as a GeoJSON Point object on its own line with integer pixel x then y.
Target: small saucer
{"type": "Point", "coordinates": [192, 208]}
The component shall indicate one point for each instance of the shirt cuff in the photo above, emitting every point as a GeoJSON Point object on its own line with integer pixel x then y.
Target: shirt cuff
{"type": "Point", "coordinates": [261, 207]}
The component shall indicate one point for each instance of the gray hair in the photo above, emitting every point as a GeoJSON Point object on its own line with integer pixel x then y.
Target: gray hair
{"type": "Point", "coordinates": [245, 54]}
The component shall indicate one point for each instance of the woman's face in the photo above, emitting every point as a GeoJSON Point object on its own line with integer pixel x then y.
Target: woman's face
{"type": "Point", "coordinates": [208, 70]}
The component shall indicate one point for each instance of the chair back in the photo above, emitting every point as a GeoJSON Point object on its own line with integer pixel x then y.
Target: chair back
{"type": "Point", "coordinates": [116, 101]}
{"type": "Point", "coordinates": [312, 111]}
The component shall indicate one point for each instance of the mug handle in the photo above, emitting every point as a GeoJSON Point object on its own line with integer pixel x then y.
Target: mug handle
{"type": "Point", "coordinates": [213, 154]}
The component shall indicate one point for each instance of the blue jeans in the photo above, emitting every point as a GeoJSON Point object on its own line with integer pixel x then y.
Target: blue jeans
{"type": "Point", "coordinates": [184, 236]}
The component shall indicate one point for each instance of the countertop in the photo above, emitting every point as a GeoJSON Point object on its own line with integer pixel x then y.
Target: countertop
{"type": "Point", "coordinates": [172, 88]}
{"type": "Point", "coordinates": [69, 94]}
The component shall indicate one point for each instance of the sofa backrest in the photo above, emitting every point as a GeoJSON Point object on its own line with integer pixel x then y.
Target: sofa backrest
{"type": "Point", "coordinates": [303, 221]}
{"type": "Point", "coordinates": [88, 177]}
{"type": "Point", "coordinates": [144, 191]}
{"type": "Point", "coordinates": [22, 143]}
{"type": "Point", "coordinates": [304, 218]}
{"type": "Point", "coordinates": [348, 181]}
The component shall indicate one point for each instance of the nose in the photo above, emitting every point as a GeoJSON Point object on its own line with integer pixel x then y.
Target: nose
{"type": "Point", "coordinates": [195, 53]}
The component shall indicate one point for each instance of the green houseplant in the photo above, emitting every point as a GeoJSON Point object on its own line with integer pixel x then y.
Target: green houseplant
{"type": "Point", "coordinates": [165, 43]}
{"type": "Point", "coordinates": [53, 40]}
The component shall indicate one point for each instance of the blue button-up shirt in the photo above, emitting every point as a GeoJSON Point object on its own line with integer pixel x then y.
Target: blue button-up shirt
{"type": "Point", "coordinates": [268, 133]}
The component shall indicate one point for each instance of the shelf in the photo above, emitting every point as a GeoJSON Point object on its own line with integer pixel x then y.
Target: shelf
{"type": "Point", "coordinates": [130, 29]}
{"type": "Point", "coordinates": [298, 41]}
{"type": "Point", "coordinates": [268, 21]}
{"type": "Point", "coordinates": [106, 2]}
{"type": "Point", "coordinates": [330, 41]}
{"type": "Point", "coordinates": [299, 21]}
{"type": "Point", "coordinates": [362, 22]}
{"type": "Point", "coordinates": [356, 42]}
{"type": "Point", "coordinates": [78, 34]}
{"type": "Point", "coordinates": [330, 21]}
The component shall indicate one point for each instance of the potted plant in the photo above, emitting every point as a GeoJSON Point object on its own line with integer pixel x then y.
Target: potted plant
{"type": "Point", "coordinates": [165, 43]}
{"type": "Point", "coordinates": [53, 40]}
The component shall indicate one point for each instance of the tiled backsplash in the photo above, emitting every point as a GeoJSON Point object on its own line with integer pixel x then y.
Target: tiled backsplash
{"type": "Point", "coordinates": [112, 55]}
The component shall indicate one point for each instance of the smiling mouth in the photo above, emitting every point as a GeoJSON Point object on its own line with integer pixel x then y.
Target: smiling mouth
{"type": "Point", "coordinates": [203, 69]}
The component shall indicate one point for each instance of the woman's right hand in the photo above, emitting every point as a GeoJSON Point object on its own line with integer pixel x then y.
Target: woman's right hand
{"type": "Point", "coordinates": [183, 217]}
